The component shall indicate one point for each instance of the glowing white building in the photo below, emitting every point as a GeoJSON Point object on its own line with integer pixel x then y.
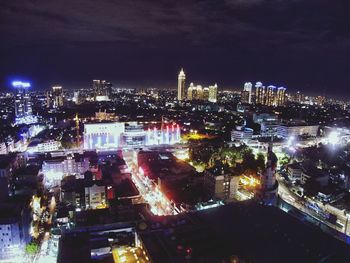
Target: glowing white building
{"type": "Point", "coordinates": [213, 93]}
{"type": "Point", "coordinates": [56, 168]}
{"type": "Point", "coordinates": [23, 106]}
{"type": "Point", "coordinates": [103, 135]}
{"type": "Point", "coordinates": [116, 135]}
{"type": "Point", "coordinates": [246, 95]}
{"type": "Point", "coordinates": [181, 85]}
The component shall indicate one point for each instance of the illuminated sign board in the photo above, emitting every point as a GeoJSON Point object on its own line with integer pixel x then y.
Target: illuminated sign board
{"type": "Point", "coordinates": [20, 84]}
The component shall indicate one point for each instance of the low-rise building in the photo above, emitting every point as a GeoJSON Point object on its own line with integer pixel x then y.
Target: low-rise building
{"type": "Point", "coordinates": [294, 171]}
{"type": "Point", "coordinates": [3, 148]}
{"type": "Point", "coordinates": [83, 194]}
{"type": "Point", "coordinates": [315, 174]}
{"type": "Point", "coordinates": [41, 147]}
{"type": "Point", "coordinates": [221, 183]}
{"type": "Point", "coordinates": [244, 134]}
{"type": "Point", "coordinates": [14, 231]}
{"type": "Point", "coordinates": [54, 169]}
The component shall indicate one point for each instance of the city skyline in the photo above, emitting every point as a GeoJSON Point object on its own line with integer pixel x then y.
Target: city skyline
{"type": "Point", "coordinates": [229, 41]}
{"type": "Point", "coordinates": [174, 131]}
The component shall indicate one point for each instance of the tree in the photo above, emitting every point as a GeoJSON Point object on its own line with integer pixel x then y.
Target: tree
{"type": "Point", "coordinates": [249, 161]}
{"type": "Point", "coordinates": [260, 161]}
{"type": "Point", "coordinates": [32, 248]}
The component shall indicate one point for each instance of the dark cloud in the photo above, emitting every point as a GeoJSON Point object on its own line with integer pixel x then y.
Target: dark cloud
{"type": "Point", "coordinates": [301, 44]}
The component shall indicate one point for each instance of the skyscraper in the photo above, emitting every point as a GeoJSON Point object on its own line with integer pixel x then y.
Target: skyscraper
{"type": "Point", "coordinates": [181, 85]}
{"type": "Point", "coordinates": [190, 91]}
{"type": "Point", "coordinates": [259, 93]}
{"type": "Point", "coordinates": [281, 96]}
{"type": "Point", "coordinates": [102, 90]}
{"type": "Point", "coordinates": [206, 93]}
{"type": "Point", "coordinates": [246, 94]}
{"type": "Point", "coordinates": [23, 106]}
{"type": "Point", "coordinates": [57, 96]}
{"type": "Point", "coordinates": [213, 93]}
{"type": "Point", "coordinates": [270, 96]}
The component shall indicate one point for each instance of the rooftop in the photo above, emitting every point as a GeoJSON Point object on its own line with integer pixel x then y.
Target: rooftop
{"type": "Point", "coordinates": [247, 231]}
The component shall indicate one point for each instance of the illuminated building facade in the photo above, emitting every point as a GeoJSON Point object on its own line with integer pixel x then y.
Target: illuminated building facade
{"type": "Point", "coordinates": [181, 85]}
{"type": "Point", "coordinates": [41, 147]}
{"type": "Point", "coordinates": [206, 93]}
{"type": "Point", "coordinates": [195, 92]}
{"type": "Point", "coordinates": [246, 94]}
{"type": "Point", "coordinates": [23, 106]}
{"type": "Point", "coordinates": [270, 96]}
{"type": "Point", "coordinates": [84, 195]}
{"type": "Point", "coordinates": [220, 183]}
{"type": "Point", "coordinates": [213, 93]}
{"type": "Point", "coordinates": [281, 96]}
{"type": "Point", "coordinates": [259, 93]}
{"type": "Point", "coordinates": [244, 134]}
{"type": "Point", "coordinates": [56, 168]}
{"type": "Point", "coordinates": [132, 134]}
{"type": "Point", "coordinates": [14, 232]}
{"type": "Point", "coordinates": [77, 98]}
{"type": "Point", "coordinates": [103, 135]}
{"type": "Point", "coordinates": [95, 197]}
{"type": "Point", "coordinates": [57, 96]}
{"type": "Point", "coordinates": [3, 148]}
{"type": "Point", "coordinates": [102, 90]}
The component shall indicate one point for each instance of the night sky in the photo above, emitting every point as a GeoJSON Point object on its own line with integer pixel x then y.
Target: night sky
{"type": "Point", "coordinates": [300, 44]}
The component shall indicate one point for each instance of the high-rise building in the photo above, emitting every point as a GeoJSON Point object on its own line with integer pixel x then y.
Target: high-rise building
{"type": "Point", "coordinates": [57, 96]}
{"type": "Point", "coordinates": [299, 97]}
{"type": "Point", "coordinates": [246, 94]}
{"type": "Point", "coordinates": [181, 85]}
{"type": "Point", "coordinates": [102, 89]}
{"type": "Point", "coordinates": [23, 106]}
{"type": "Point", "coordinates": [213, 93]}
{"type": "Point", "coordinates": [48, 99]}
{"type": "Point", "coordinates": [281, 96]}
{"type": "Point", "coordinates": [206, 93]}
{"type": "Point", "coordinates": [259, 93]}
{"type": "Point", "coordinates": [270, 96]}
{"type": "Point", "coordinates": [195, 92]}
{"type": "Point", "coordinates": [77, 97]}
{"type": "Point", "coordinates": [190, 91]}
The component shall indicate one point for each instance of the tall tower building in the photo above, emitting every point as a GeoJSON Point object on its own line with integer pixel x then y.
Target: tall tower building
{"type": "Point", "coordinates": [181, 85]}
{"type": "Point", "coordinates": [190, 91]}
{"type": "Point", "coordinates": [199, 94]}
{"type": "Point", "coordinates": [213, 93]}
{"type": "Point", "coordinates": [246, 94]}
{"type": "Point", "coordinates": [259, 93]}
{"type": "Point", "coordinates": [102, 89]}
{"type": "Point", "coordinates": [206, 93]}
{"type": "Point", "coordinates": [270, 96]}
{"type": "Point", "coordinates": [269, 184]}
{"type": "Point", "coordinates": [57, 96]}
{"type": "Point", "coordinates": [23, 106]}
{"type": "Point", "coordinates": [281, 96]}
{"type": "Point", "coordinates": [48, 99]}
{"type": "Point", "coordinates": [299, 97]}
